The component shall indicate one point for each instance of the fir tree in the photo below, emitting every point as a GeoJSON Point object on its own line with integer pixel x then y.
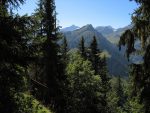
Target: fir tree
{"type": "Point", "coordinates": [47, 71]}
{"type": "Point", "coordinates": [51, 66]}
{"type": "Point", "coordinates": [14, 59]}
{"type": "Point", "coordinates": [120, 92]}
{"type": "Point", "coordinates": [64, 48]}
{"type": "Point", "coordinates": [94, 54]}
{"type": "Point", "coordinates": [132, 103]}
{"type": "Point", "coordinates": [105, 85]}
{"type": "Point", "coordinates": [82, 47]}
{"type": "Point", "coordinates": [50, 54]}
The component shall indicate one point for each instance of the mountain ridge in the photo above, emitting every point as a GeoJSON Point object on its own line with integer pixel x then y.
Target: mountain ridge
{"type": "Point", "coordinates": [70, 28]}
{"type": "Point", "coordinates": [88, 31]}
{"type": "Point", "coordinates": [115, 34]}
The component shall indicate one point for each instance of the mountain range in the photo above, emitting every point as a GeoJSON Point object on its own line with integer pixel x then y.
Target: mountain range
{"type": "Point", "coordinates": [105, 30]}
{"type": "Point", "coordinates": [113, 35]}
{"type": "Point", "coordinates": [117, 63]}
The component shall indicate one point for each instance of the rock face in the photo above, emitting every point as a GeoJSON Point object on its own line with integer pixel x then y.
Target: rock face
{"type": "Point", "coordinates": [117, 64]}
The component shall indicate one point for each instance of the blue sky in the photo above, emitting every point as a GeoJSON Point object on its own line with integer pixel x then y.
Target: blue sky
{"type": "Point", "coordinates": [116, 13]}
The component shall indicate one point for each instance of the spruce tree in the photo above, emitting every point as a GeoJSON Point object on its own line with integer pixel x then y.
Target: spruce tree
{"type": "Point", "coordinates": [14, 59]}
{"type": "Point", "coordinates": [100, 67]}
{"type": "Point", "coordinates": [47, 74]}
{"type": "Point", "coordinates": [82, 47]}
{"type": "Point", "coordinates": [94, 54]}
{"type": "Point", "coordinates": [51, 67]}
{"type": "Point", "coordinates": [38, 83]}
{"type": "Point", "coordinates": [120, 92]}
{"type": "Point", "coordinates": [105, 85]}
{"type": "Point", "coordinates": [132, 103]}
{"type": "Point", "coordinates": [64, 48]}
{"type": "Point", "coordinates": [50, 54]}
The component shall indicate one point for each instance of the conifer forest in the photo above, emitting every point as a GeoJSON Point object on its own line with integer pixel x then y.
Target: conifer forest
{"type": "Point", "coordinates": [44, 69]}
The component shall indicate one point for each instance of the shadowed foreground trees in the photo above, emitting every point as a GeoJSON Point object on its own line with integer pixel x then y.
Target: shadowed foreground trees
{"type": "Point", "coordinates": [14, 59]}
{"type": "Point", "coordinates": [140, 31]}
{"type": "Point", "coordinates": [32, 63]}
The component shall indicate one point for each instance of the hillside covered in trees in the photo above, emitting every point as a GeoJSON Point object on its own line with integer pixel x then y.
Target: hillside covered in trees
{"type": "Point", "coordinates": [43, 70]}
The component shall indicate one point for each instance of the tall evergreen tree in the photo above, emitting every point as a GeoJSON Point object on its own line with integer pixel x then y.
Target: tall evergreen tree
{"type": "Point", "coordinates": [64, 48]}
{"type": "Point", "coordinates": [94, 57]}
{"type": "Point", "coordinates": [38, 83]}
{"type": "Point", "coordinates": [105, 85]}
{"type": "Point", "coordinates": [50, 53]}
{"type": "Point", "coordinates": [140, 30]}
{"type": "Point", "coordinates": [133, 103]}
{"type": "Point", "coordinates": [120, 92]}
{"type": "Point", "coordinates": [39, 20]}
{"type": "Point", "coordinates": [51, 67]}
{"type": "Point", "coordinates": [82, 47]}
{"type": "Point", "coordinates": [14, 58]}
{"type": "Point", "coordinates": [100, 67]}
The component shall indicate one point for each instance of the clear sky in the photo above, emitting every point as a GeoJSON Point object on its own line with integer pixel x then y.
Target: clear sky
{"type": "Point", "coordinates": [116, 13]}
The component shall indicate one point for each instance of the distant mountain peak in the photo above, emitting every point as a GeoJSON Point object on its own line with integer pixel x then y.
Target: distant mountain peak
{"type": "Point", "coordinates": [113, 35]}
{"type": "Point", "coordinates": [88, 27]}
{"type": "Point", "coordinates": [104, 27]}
{"type": "Point", "coordinates": [105, 30]}
{"type": "Point", "coordinates": [73, 25]}
{"type": "Point", "coordinates": [70, 28]}
{"type": "Point", "coordinates": [115, 59]}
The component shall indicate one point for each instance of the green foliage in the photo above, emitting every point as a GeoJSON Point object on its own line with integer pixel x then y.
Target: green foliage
{"type": "Point", "coordinates": [104, 54]}
{"type": "Point", "coordinates": [140, 30]}
{"type": "Point", "coordinates": [83, 87]}
{"type": "Point", "coordinates": [48, 74]}
{"type": "Point", "coordinates": [94, 58]}
{"type": "Point", "coordinates": [31, 61]}
{"type": "Point", "coordinates": [82, 47]}
{"type": "Point", "coordinates": [132, 106]}
{"type": "Point", "coordinates": [23, 104]}
{"type": "Point", "coordinates": [119, 95]}
{"type": "Point", "coordinates": [14, 59]}
{"type": "Point", "coordinates": [116, 59]}
{"type": "Point", "coordinates": [127, 38]}
{"type": "Point", "coordinates": [120, 92]}
{"type": "Point", "coordinates": [64, 49]}
{"type": "Point", "coordinates": [27, 104]}
{"type": "Point", "coordinates": [132, 93]}
{"type": "Point", "coordinates": [10, 4]}
{"type": "Point", "coordinates": [105, 84]}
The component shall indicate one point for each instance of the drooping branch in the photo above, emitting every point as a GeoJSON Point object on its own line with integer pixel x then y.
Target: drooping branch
{"type": "Point", "coordinates": [127, 38]}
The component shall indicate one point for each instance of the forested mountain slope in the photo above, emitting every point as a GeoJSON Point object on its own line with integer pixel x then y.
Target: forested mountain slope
{"type": "Point", "coordinates": [117, 64]}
